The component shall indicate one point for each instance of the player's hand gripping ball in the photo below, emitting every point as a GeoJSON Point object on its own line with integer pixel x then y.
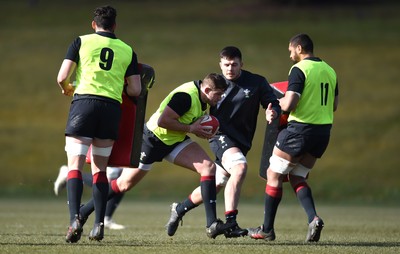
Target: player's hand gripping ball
{"type": "Point", "coordinates": [210, 123]}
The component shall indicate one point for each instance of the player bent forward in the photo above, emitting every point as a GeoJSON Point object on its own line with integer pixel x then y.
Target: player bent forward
{"type": "Point", "coordinates": [237, 114]}
{"type": "Point", "coordinates": [165, 137]}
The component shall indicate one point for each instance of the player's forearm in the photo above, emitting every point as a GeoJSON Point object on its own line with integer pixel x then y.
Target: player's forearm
{"type": "Point", "coordinates": [289, 101]}
{"type": "Point", "coordinates": [134, 86]}
{"type": "Point", "coordinates": [64, 75]}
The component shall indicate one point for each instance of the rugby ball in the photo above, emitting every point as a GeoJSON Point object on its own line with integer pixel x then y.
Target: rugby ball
{"type": "Point", "coordinates": [210, 123]}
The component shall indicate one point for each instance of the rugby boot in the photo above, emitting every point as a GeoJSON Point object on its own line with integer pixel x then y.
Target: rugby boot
{"type": "Point", "coordinates": [258, 233]}
{"type": "Point", "coordinates": [233, 230]}
{"type": "Point", "coordinates": [314, 230]}
{"type": "Point", "coordinates": [97, 233]}
{"type": "Point", "coordinates": [74, 231]}
{"type": "Point", "coordinates": [174, 219]}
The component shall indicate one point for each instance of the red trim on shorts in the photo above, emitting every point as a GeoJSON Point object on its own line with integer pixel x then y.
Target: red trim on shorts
{"type": "Point", "coordinates": [274, 192]}
{"type": "Point", "coordinates": [75, 173]}
{"type": "Point", "coordinates": [100, 177]}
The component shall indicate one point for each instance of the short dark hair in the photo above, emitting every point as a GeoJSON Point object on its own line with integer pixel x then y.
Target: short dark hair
{"type": "Point", "coordinates": [230, 52]}
{"type": "Point", "coordinates": [304, 41]}
{"type": "Point", "coordinates": [105, 17]}
{"type": "Point", "coordinates": [217, 81]}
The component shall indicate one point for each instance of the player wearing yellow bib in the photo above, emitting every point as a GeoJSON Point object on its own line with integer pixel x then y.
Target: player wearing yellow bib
{"type": "Point", "coordinates": [165, 136]}
{"type": "Point", "coordinates": [311, 99]}
{"type": "Point", "coordinates": [237, 114]}
{"type": "Point", "coordinates": [319, 89]}
{"type": "Point", "coordinates": [102, 64]}
{"type": "Point", "coordinates": [170, 136]}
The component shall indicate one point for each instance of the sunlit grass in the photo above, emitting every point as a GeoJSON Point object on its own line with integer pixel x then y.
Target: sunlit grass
{"type": "Point", "coordinates": [38, 226]}
{"type": "Point", "coordinates": [360, 43]}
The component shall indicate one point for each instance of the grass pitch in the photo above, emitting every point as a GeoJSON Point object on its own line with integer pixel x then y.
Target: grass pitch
{"type": "Point", "coordinates": [39, 226]}
{"type": "Point", "coordinates": [181, 40]}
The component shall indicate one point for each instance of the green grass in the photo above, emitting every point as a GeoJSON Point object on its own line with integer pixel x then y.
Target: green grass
{"type": "Point", "coordinates": [39, 226]}
{"type": "Point", "coordinates": [181, 40]}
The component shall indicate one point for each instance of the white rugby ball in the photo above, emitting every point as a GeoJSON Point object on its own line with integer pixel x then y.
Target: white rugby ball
{"type": "Point", "coordinates": [210, 123]}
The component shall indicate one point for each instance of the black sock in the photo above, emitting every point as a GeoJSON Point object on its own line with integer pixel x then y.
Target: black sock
{"type": "Point", "coordinates": [209, 194]}
{"type": "Point", "coordinates": [304, 195]}
{"type": "Point", "coordinates": [100, 192]}
{"type": "Point", "coordinates": [113, 203]}
{"type": "Point", "coordinates": [230, 216]}
{"type": "Point", "coordinates": [185, 206]}
{"type": "Point", "coordinates": [74, 192]}
{"type": "Point", "coordinates": [273, 196]}
{"type": "Point", "coordinates": [88, 208]}
{"type": "Point", "coordinates": [87, 179]}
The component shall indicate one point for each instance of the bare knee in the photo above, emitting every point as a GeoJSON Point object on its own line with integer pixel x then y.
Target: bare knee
{"type": "Point", "coordinates": [239, 173]}
{"type": "Point", "coordinates": [274, 179]}
{"type": "Point", "coordinates": [207, 168]}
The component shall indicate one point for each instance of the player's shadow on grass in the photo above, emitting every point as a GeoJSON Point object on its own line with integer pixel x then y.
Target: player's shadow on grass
{"type": "Point", "coordinates": [146, 244]}
{"type": "Point", "coordinates": [137, 242]}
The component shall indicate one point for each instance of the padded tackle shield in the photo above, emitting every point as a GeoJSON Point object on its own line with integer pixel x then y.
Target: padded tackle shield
{"type": "Point", "coordinates": [127, 148]}
{"type": "Point", "coordinates": [272, 130]}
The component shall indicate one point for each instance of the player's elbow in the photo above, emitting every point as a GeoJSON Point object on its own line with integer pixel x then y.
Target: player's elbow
{"type": "Point", "coordinates": [133, 90]}
{"type": "Point", "coordinates": [161, 122]}
{"type": "Point", "coordinates": [288, 107]}
{"type": "Point", "coordinates": [134, 86]}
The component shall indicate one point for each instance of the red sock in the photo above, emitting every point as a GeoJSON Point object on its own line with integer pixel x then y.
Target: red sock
{"type": "Point", "coordinates": [75, 173]}
{"type": "Point", "coordinates": [300, 186]}
{"type": "Point", "coordinates": [100, 177]}
{"type": "Point", "coordinates": [206, 178]}
{"type": "Point", "coordinates": [114, 186]}
{"type": "Point", "coordinates": [275, 192]}
{"type": "Point", "coordinates": [232, 212]}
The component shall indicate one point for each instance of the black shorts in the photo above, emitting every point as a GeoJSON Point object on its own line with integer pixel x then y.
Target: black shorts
{"type": "Point", "coordinates": [298, 144]}
{"type": "Point", "coordinates": [153, 149]}
{"type": "Point", "coordinates": [93, 118]}
{"type": "Point", "coordinates": [220, 143]}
